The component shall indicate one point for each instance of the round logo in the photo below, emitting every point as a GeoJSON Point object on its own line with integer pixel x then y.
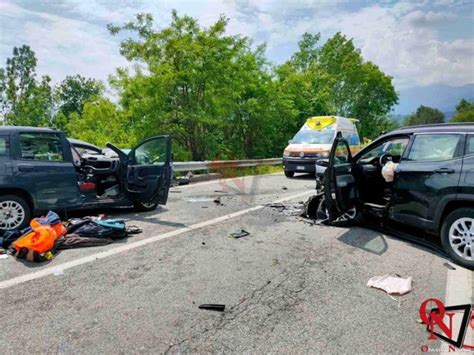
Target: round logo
{"type": "Point", "coordinates": [301, 154]}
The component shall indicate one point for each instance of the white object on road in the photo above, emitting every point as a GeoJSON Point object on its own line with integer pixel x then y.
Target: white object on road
{"type": "Point", "coordinates": [390, 284]}
{"type": "Point", "coordinates": [388, 171]}
{"type": "Point", "coordinates": [3, 256]}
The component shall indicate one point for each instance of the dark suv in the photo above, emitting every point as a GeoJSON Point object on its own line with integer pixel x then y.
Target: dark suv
{"type": "Point", "coordinates": [432, 189]}
{"type": "Point", "coordinates": [40, 170]}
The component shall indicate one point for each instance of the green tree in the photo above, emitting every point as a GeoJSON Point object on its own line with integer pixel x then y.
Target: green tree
{"type": "Point", "coordinates": [334, 79]}
{"type": "Point", "coordinates": [424, 115]}
{"type": "Point", "coordinates": [23, 99]}
{"type": "Point", "coordinates": [71, 95]}
{"type": "Point", "coordinates": [206, 88]}
{"type": "Point", "coordinates": [101, 122]}
{"type": "Point", "coordinates": [464, 112]}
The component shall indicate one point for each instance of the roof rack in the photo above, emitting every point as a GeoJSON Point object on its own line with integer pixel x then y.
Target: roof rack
{"type": "Point", "coordinates": [437, 125]}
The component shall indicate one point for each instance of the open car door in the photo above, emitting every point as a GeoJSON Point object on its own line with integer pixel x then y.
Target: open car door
{"type": "Point", "coordinates": [339, 183]}
{"type": "Point", "coordinates": [149, 170]}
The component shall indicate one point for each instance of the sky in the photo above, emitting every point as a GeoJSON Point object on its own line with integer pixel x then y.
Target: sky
{"type": "Point", "coordinates": [418, 43]}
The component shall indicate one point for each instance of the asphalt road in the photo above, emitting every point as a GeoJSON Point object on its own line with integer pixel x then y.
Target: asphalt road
{"type": "Point", "coordinates": [288, 287]}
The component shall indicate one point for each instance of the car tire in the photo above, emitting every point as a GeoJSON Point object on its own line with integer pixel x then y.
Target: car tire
{"type": "Point", "coordinates": [457, 234]}
{"type": "Point", "coordinates": [289, 174]}
{"type": "Point", "coordinates": [145, 206]}
{"type": "Point", "coordinates": [15, 212]}
{"type": "Point", "coordinates": [348, 219]}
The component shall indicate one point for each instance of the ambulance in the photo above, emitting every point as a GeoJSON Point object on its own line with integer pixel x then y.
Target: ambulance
{"type": "Point", "coordinates": [314, 140]}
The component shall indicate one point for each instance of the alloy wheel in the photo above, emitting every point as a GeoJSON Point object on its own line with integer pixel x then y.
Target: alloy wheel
{"type": "Point", "coordinates": [12, 215]}
{"type": "Point", "coordinates": [461, 237]}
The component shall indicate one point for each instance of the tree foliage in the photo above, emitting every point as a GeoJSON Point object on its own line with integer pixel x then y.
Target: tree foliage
{"type": "Point", "coordinates": [72, 94]}
{"type": "Point", "coordinates": [424, 115]}
{"type": "Point", "coordinates": [215, 93]}
{"type": "Point", "coordinates": [464, 112]}
{"type": "Point", "coordinates": [24, 100]}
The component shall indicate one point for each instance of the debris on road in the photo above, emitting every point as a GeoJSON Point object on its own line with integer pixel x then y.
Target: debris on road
{"type": "Point", "coordinates": [449, 266]}
{"type": "Point", "coordinates": [390, 284]}
{"type": "Point", "coordinates": [213, 307]}
{"type": "Point", "coordinates": [46, 235]}
{"type": "Point", "coordinates": [284, 188]}
{"type": "Point", "coordinates": [217, 201]}
{"type": "Point", "coordinates": [239, 234]}
{"type": "Point", "coordinates": [3, 256]}
{"type": "Point", "coordinates": [297, 209]}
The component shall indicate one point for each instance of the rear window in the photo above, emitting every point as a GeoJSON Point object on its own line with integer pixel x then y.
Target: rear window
{"type": "Point", "coordinates": [434, 147]}
{"type": "Point", "coordinates": [4, 146]}
{"type": "Point", "coordinates": [41, 146]}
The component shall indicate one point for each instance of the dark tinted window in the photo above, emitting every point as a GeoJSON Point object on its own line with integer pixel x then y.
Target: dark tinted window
{"type": "Point", "coordinates": [434, 147]}
{"type": "Point", "coordinates": [4, 146]}
{"type": "Point", "coordinates": [470, 145]}
{"type": "Point", "coordinates": [41, 146]}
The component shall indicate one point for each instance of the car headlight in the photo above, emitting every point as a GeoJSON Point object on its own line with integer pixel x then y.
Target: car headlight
{"type": "Point", "coordinates": [286, 154]}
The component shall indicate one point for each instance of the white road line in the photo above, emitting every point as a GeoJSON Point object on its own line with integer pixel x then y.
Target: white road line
{"type": "Point", "coordinates": [459, 290]}
{"type": "Point", "coordinates": [117, 250]}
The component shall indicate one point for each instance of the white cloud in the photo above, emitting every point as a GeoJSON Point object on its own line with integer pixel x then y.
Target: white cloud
{"type": "Point", "coordinates": [404, 38]}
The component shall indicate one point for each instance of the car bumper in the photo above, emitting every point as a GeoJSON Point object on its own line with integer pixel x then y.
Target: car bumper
{"type": "Point", "coordinates": [300, 165]}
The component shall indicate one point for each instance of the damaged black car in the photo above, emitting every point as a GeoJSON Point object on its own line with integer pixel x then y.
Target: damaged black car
{"type": "Point", "coordinates": [419, 176]}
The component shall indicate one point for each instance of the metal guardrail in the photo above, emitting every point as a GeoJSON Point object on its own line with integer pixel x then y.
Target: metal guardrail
{"type": "Point", "coordinates": [222, 164]}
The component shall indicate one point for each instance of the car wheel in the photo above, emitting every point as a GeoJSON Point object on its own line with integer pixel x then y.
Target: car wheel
{"type": "Point", "coordinates": [15, 213]}
{"type": "Point", "coordinates": [346, 219]}
{"type": "Point", "coordinates": [289, 174]}
{"type": "Point", "coordinates": [457, 236]}
{"type": "Point", "coordinates": [145, 206]}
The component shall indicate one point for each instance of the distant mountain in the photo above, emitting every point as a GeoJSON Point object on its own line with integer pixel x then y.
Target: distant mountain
{"type": "Point", "coordinates": [443, 97]}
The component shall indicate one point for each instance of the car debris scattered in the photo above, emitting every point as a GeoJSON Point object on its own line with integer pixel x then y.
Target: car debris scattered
{"type": "Point", "coordinates": [218, 202]}
{"type": "Point", "coordinates": [213, 307]}
{"type": "Point", "coordinates": [449, 266]}
{"type": "Point", "coordinates": [239, 234]}
{"type": "Point", "coordinates": [297, 209]}
{"type": "Point", "coordinates": [391, 285]}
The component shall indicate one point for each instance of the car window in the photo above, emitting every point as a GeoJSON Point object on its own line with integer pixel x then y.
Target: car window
{"type": "Point", "coordinates": [354, 139]}
{"type": "Point", "coordinates": [4, 147]}
{"type": "Point", "coordinates": [434, 147]}
{"type": "Point", "coordinates": [41, 146]}
{"type": "Point", "coordinates": [394, 147]}
{"type": "Point", "coordinates": [151, 152]}
{"type": "Point", "coordinates": [342, 154]}
{"type": "Point", "coordinates": [470, 144]}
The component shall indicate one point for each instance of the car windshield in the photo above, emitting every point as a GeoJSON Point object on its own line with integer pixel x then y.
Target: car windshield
{"type": "Point", "coordinates": [314, 137]}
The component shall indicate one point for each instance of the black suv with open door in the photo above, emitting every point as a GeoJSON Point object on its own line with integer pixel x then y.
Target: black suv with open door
{"type": "Point", "coordinates": [432, 187]}
{"type": "Point", "coordinates": [40, 170]}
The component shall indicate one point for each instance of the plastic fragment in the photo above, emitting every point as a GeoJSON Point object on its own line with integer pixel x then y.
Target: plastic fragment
{"type": "Point", "coordinates": [239, 234]}
{"type": "Point", "coordinates": [213, 307]}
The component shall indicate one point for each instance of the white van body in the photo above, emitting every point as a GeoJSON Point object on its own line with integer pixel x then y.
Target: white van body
{"type": "Point", "coordinates": [314, 141]}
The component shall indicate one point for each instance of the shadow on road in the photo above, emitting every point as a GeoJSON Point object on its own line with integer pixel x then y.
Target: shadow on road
{"type": "Point", "coordinates": [303, 177]}
{"type": "Point", "coordinates": [374, 240]}
{"type": "Point", "coordinates": [365, 239]}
